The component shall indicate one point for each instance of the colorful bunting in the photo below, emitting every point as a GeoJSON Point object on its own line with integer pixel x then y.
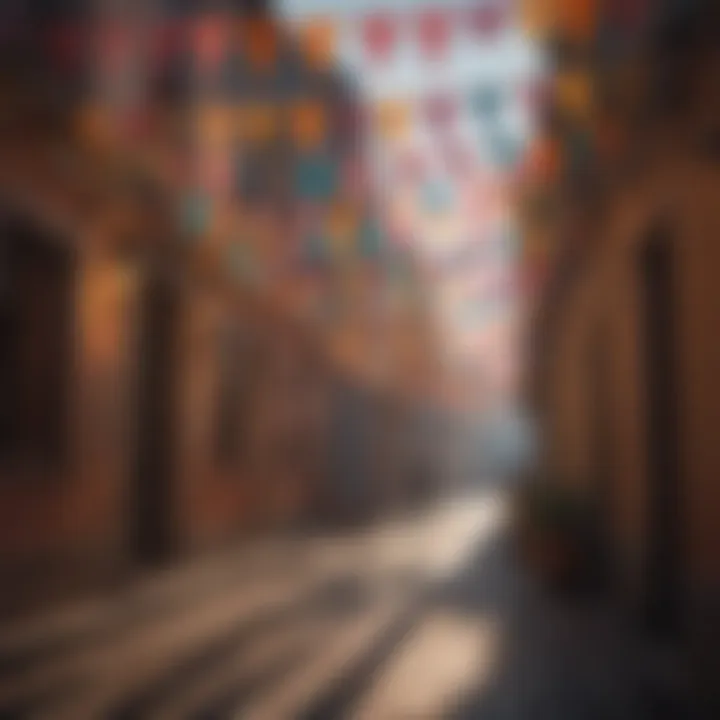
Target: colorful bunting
{"type": "Point", "coordinates": [309, 124]}
{"type": "Point", "coordinates": [214, 125]}
{"type": "Point", "coordinates": [543, 161]}
{"type": "Point", "coordinates": [440, 110]}
{"type": "Point", "coordinates": [256, 123]}
{"type": "Point", "coordinates": [574, 93]}
{"type": "Point", "coordinates": [380, 35]}
{"type": "Point", "coordinates": [537, 16]}
{"type": "Point", "coordinates": [316, 177]}
{"type": "Point", "coordinates": [434, 29]}
{"type": "Point", "coordinates": [318, 38]}
{"type": "Point", "coordinates": [577, 19]}
{"type": "Point", "coordinates": [392, 119]}
{"type": "Point", "coordinates": [488, 19]}
{"type": "Point", "coordinates": [486, 101]}
{"type": "Point", "coordinates": [210, 38]}
{"type": "Point", "coordinates": [259, 42]}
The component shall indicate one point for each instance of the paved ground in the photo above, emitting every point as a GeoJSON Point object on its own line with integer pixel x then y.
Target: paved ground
{"type": "Point", "coordinates": [423, 618]}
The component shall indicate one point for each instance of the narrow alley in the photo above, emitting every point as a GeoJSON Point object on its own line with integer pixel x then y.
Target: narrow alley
{"type": "Point", "coordinates": [359, 359]}
{"type": "Point", "coordinates": [326, 627]}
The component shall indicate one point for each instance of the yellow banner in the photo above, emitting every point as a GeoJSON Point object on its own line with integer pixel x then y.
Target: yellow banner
{"type": "Point", "coordinates": [392, 118]}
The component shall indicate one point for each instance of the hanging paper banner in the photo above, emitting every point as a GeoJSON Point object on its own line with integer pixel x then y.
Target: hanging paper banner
{"type": "Point", "coordinates": [537, 17]}
{"type": "Point", "coordinates": [256, 122]}
{"type": "Point", "coordinates": [543, 161]}
{"type": "Point", "coordinates": [485, 101]}
{"type": "Point", "coordinates": [487, 20]}
{"type": "Point", "coordinates": [392, 119]}
{"type": "Point", "coordinates": [318, 39]}
{"type": "Point", "coordinates": [259, 42]}
{"type": "Point", "coordinates": [308, 121]}
{"type": "Point", "coordinates": [210, 42]}
{"type": "Point", "coordinates": [214, 126]}
{"type": "Point", "coordinates": [434, 28]}
{"type": "Point", "coordinates": [577, 19]}
{"type": "Point", "coordinates": [380, 35]}
{"type": "Point", "coordinates": [342, 226]}
{"type": "Point", "coordinates": [574, 93]}
{"type": "Point", "coordinates": [440, 110]}
{"type": "Point", "coordinates": [316, 177]}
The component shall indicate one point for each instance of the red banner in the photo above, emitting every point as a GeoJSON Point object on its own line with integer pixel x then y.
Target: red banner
{"type": "Point", "coordinates": [210, 36]}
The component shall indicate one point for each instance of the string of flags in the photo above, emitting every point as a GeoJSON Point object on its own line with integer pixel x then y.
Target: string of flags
{"type": "Point", "coordinates": [216, 36]}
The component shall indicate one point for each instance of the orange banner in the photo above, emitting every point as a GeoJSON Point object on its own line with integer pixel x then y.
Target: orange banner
{"type": "Point", "coordinates": [574, 93]}
{"type": "Point", "coordinates": [577, 19]}
{"type": "Point", "coordinates": [392, 118]}
{"type": "Point", "coordinates": [214, 125]}
{"type": "Point", "coordinates": [259, 42]}
{"type": "Point", "coordinates": [308, 123]}
{"type": "Point", "coordinates": [318, 39]}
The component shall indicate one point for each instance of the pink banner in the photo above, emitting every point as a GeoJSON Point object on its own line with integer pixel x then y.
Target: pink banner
{"type": "Point", "coordinates": [434, 29]}
{"type": "Point", "coordinates": [380, 35]}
